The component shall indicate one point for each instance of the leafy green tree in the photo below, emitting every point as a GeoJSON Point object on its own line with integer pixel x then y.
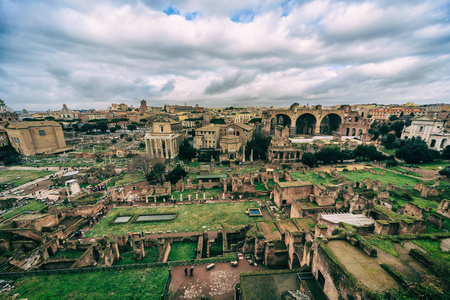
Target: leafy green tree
{"type": "Point", "coordinates": [388, 142]}
{"type": "Point", "coordinates": [9, 155]}
{"type": "Point", "coordinates": [384, 129]}
{"type": "Point", "coordinates": [393, 118]}
{"type": "Point", "coordinates": [102, 126]}
{"type": "Point", "coordinates": [155, 175]}
{"type": "Point", "coordinates": [186, 151]}
{"type": "Point", "coordinates": [397, 127]}
{"type": "Point", "coordinates": [217, 121]}
{"type": "Point", "coordinates": [329, 155]}
{"type": "Point", "coordinates": [259, 143]}
{"type": "Point", "coordinates": [132, 127]}
{"type": "Point", "coordinates": [446, 152]}
{"type": "Point", "coordinates": [375, 133]}
{"type": "Point", "coordinates": [112, 129]}
{"type": "Point", "coordinates": [88, 127]}
{"type": "Point", "coordinates": [445, 171]}
{"type": "Point", "coordinates": [415, 150]}
{"type": "Point", "coordinates": [370, 153]}
{"type": "Point", "coordinates": [309, 159]}
{"type": "Point", "coordinates": [176, 174]}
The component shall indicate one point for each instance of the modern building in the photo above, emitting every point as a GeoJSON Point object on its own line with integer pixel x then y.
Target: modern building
{"type": "Point", "coordinates": [165, 139]}
{"type": "Point", "coordinates": [38, 137]}
{"type": "Point", "coordinates": [435, 132]}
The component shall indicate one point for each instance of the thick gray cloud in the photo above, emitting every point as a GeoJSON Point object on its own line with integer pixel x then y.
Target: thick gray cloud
{"type": "Point", "coordinates": [168, 86]}
{"type": "Point", "coordinates": [89, 54]}
{"type": "Point", "coordinates": [228, 83]}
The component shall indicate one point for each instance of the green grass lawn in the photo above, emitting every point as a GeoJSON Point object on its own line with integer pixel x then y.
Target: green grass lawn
{"type": "Point", "coordinates": [398, 169]}
{"type": "Point", "coordinates": [250, 169]}
{"type": "Point", "coordinates": [32, 206]}
{"type": "Point", "coordinates": [127, 178]}
{"type": "Point", "coordinates": [312, 177]}
{"type": "Point", "coordinates": [388, 151]}
{"type": "Point", "coordinates": [182, 251]}
{"type": "Point", "coordinates": [151, 256]}
{"type": "Point", "coordinates": [432, 247]}
{"type": "Point", "coordinates": [422, 203]}
{"type": "Point", "coordinates": [68, 254]}
{"type": "Point", "coordinates": [216, 249]}
{"type": "Point", "coordinates": [208, 194]}
{"type": "Point", "coordinates": [124, 284]}
{"type": "Point", "coordinates": [19, 177]}
{"type": "Point", "coordinates": [395, 179]}
{"type": "Point", "coordinates": [190, 217]}
{"type": "Point", "coordinates": [259, 186]}
{"type": "Point", "coordinates": [434, 165]}
{"type": "Point", "coordinates": [384, 245]}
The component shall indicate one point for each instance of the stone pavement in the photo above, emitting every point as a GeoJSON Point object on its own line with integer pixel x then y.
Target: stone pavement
{"type": "Point", "coordinates": [217, 283]}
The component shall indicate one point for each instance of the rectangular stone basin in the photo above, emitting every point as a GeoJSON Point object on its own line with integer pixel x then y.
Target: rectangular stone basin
{"type": "Point", "coordinates": [122, 219]}
{"type": "Point", "coordinates": [254, 212]}
{"type": "Point", "coordinates": [161, 217]}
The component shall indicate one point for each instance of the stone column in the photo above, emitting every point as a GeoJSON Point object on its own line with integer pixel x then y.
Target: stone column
{"type": "Point", "coordinates": [243, 153]}
{"type": "Point", "coordinates": [150, 147]}
{"type": "Point", "coordinates": [251, 155]}
{"type": "Point", "coordinates": [317, 128]}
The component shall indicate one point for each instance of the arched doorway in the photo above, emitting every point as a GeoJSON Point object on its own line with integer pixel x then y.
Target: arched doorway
{"type": "Point", "coordinates": [330, 123]}
{"type": "Point", "coordinates": [443, 143]}
{"type": "Point", "coordinates": [306, 124]}
{"type": "Point", "coordinates": [279, 120]}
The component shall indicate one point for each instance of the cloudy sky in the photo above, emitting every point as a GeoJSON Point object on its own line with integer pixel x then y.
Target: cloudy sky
{"type": "Point", "coordinates": [89, 54]}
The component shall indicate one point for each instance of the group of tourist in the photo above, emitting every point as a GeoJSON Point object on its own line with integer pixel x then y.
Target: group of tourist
{"type": "Point", "coordinates": [191, 272]}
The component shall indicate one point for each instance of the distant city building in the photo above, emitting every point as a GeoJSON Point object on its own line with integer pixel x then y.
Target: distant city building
{"type": "Point", "coordinates": [207, 137]}
{"type": "Point", "coordinates": [38, 137]}
{"type": "Point", "coordinates": [7, 114]}
{"type": "Point", "coordinates": [435, 132]}
{"type": "Point", "coordinates": [386, 113]}
{"type": "Point", "coordinates": [65, 114]}
{"type": "Point", "coordinates": [165, 139]}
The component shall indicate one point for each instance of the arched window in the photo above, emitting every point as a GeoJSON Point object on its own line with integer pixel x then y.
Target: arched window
{"type": "Point", "coordinates": [443, 143]}
{"type": "Point", "coordinates": [433, 143]}
{"type": "Point", "coordinates": [421, 129]}
{"type": "Point", "coordinates": [356, 119]}
{"type": "Point", "coordinates": [353, 131]}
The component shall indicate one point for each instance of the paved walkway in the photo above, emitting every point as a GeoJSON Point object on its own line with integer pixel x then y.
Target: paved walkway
{"type": "Point", "coordinates": [217, 283]}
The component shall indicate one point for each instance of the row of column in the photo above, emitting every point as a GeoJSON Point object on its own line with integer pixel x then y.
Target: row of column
{"type": "Point", "coordinates": [159, 150]}
{"type": "Point", "coordinates": [287, 155]}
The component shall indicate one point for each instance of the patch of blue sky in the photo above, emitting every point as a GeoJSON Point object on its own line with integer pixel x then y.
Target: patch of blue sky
{"type": "Point", "coordinates": [191, 15]}
{"type": "Point", "coordinates": [245, 16]}
{"type": "Point", "coordinates": [286, 7]}
{"type": "Point", "coordinates": [171, 11]}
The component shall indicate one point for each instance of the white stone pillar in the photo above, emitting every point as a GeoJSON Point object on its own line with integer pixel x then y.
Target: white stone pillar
{"type": "Point", "coordinates": [251, 155]}
{"type": "Point", "coordinates": [243, 153]}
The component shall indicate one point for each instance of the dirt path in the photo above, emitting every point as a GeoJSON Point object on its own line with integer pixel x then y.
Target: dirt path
{"type": "Point", "coordinates": [217, 283]}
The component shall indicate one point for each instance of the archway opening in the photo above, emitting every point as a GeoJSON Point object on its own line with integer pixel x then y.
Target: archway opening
{"type": "Point", "coordinates": [330, 123]}
{"type": "Point", "coordinates": [306, 124]}
{"type": "Point", "coordinates": [280, 120]}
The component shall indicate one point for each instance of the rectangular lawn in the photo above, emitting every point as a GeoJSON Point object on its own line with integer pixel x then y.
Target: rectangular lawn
{"type": "Point", "coordinates": [19, 177]}
{"type": "Point", "coordinates": [124, 284]}
{"type": "Point", "coordinates": [32, 206]}
{"type": "Point", "coordinates": [190, 217]}
{"type": "Point", "coordinates": [395, 179]}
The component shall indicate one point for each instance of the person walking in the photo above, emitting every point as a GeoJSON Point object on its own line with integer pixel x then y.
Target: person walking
{"type": "Point", "coordinates": [185, 272]}
{"type": "Point", "coordinates": [192, 271]}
